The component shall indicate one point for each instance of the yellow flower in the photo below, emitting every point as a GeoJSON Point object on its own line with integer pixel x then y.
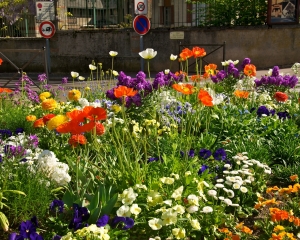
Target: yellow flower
{"type": "Point", "coordinates": [30, 118]}
{"type": "Point", "coordinates": [178, 233]}
{"type": "Point", "coordinates": [116, 108]}
{"type": "Point", "coordinates": [44, 95]}
{"type": "Point", "coordinates": [56, 121]}
{"type": "Point", "coordinates": [74, 95]}
{"type": "Point", "coordinates": [49, 104]}
{"type": "Point", "coordinates": [278, 228]}
{"type": "Point", "coordinates": [177, 193]}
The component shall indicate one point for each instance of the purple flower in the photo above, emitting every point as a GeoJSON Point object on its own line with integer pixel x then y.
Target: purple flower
{"type": "Point", "coordinates": [64, 80]}
{"type": "Point", "coordinates": [245, 62]}
{"type": "Point", "coordinates": [202, 169]}
{"type": "Point", "coordinates": [42, 77]}
{"type": "Point", "coordinates": [19, 130]}
{"type": "Point", "coordinates": [204, 153]}
{"type": "Point", "coordinates": [220, 154]}
{"type": "Point", "coordinates": [5, 133]}
{"type": "Point", "coordinates": [15, 236]}
{"type": "Point", "coordinates": [191, 153]}
{"type": "Point", "coordinates": [275, 71]}
{"type": "Point", "coordinates": [110, 94]}
{"type": "Point", "coordinates": [34, 140]}
{"type": "Point", "coordinates": [56, 237]}
{"type": "Point", "coordinates": [35, 236]}
{"type": "Point", "coordinates": [27, 228]}
{"type": "Point", "coordinates": [262, 110]}
{"type": "Point", "coordinates": [283, 115]}
{"type": "Point", "coordinates": [127, 222]}
{"type": "Point", "coordinates": [102, 221]}
{"type": "Point", "coordinates": [80, 215]}
{"type": "Point", "coordinates": [57, 204]}
{"type": "Point", "coordinates": [34, 221]}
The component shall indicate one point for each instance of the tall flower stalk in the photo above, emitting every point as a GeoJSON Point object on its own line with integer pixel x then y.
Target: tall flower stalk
{"type": "Point", "coordinates": [148, 54]}
{"type": "Point", "coordinates": [112, 54]}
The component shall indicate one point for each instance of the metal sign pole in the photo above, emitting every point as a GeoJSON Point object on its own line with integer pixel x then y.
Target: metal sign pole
{"type": "Point", "coordinates": [48, 55]}
{"type": "Point", "coordinates": [141, 49]}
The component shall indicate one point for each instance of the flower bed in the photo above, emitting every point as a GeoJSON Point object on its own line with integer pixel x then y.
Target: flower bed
{"type": "Point", "coordinates": [172, 157]}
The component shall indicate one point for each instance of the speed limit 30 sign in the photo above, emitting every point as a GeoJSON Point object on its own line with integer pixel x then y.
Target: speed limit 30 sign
{"type": "Point", "coordinates": [47, 29]}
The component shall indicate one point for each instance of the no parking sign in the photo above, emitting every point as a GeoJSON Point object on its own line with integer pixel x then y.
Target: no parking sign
{"type": "Point", "coordinates": [141, 24]}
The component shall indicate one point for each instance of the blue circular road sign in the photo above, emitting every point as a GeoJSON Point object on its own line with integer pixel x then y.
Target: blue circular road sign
{"type": "Point", "coordinates": [141, 24]}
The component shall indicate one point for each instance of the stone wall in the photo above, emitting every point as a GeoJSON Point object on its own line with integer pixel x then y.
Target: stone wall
{"type": "Point", "coordinates": [74, 50]}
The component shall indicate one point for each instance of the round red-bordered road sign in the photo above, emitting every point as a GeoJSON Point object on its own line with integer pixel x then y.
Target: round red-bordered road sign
{"type": "Point", "coordinates": [141, 24]}
{"type": "Point", "coordinates": [140, 6]}
{"type": "Point", "coordinates": [47, 29]}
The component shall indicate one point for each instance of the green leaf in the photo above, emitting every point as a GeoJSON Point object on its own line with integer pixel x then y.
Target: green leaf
{"type": "Point", "coordinates": [109, 205]}
{"type": "Point", "coordinates": [15, 191]}
{"type": "Point", "coordinates": [94, 202]}
{"type": "Point", "coordinates": [68, 198]}
{"type": "Point", "coordinates": [95, 213]}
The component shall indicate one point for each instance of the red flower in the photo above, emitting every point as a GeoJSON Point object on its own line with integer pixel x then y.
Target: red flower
{"type": "Point", "coordinates": [281, 97]}
{"type": "Point", "coordinates": [77, 139]}
{"type": "Point", "coordinates": [47, 117]}
{"type": "Point", "coordinates": [205, 98]}
{"type": "Point", "coordinates": [1, 61]}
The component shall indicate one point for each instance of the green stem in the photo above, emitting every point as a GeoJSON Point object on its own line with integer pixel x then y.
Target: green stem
{"type": "Point", "coordinates": [149, 69]}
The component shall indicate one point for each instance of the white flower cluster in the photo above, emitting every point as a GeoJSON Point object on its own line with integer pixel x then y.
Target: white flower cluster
{"type": "Point", "coordinates": [48, 164]}
{"type": "Point", "coordinates": [127, 198]}
{"type": "Point", "coordinates": [90, 232]}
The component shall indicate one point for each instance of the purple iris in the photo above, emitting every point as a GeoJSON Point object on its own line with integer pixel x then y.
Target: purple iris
{"type": "Point", "coordinates": [204, 153]}
{"type": "Point", "coordinates": [202, 169]}
{"type": "Point", "coordinates": [102, 221]}
{"type": "Point", "coordinates": [5, 133]}
{"type": "Point", "coordinates": [220, 154]}
{"type": "Point", "coordinates": [57, 204]}
{"type": "Point", "coordinates": [127, 222]}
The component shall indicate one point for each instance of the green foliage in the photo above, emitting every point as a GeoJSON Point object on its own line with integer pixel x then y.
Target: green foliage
{"type": "Point", "coordinates": [226, 13]}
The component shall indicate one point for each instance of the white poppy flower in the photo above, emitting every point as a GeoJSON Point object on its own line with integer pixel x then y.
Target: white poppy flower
{"type": "Point", "coordinates": [113, 53]}
{"type": "Point", "coordinates": [207, 209]}
{"type": "Point", "coordinates": [81, 78]}
{"type": "Point", "coordinates": [149, 53]}
{"type": "Point", "coordinates": [74, 74]}
{"type": "Point", "coordinates": [173, 57]}
{"type": "Point", "coordinates": [92, 67]}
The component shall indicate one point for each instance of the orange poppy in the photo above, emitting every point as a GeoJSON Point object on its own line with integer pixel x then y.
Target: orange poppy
{"type": "Point", "coordinates": [211, 69]}
{"type": "Point", "coordinates": [294, 177]}
{"type": "Point", "coordinates": [5, 90]}
{"type": "Point", "coordinates": [186, 53]}
{"type": "Point", "coordinates": [195, 78]}
{"type": "Point", "coordinates": [241, 94]}
{"type": "Point", "coordinates": [235, 237]}
{"type": "Point", "coordinates": [39, 123]}
{"type": "Point", "coordinates": [281, 97]}
{"type": "Point", "coordinates": [75, 127]}
{"type": "Point", "coordinates": [1, 61]}
{"type": "Point", "coordinates": [77, 139]}
{"type": "Point", "coordinates": [250, 70]}
{"type": "Point", "coordinates": [123, 91]}
{"type": "Point", "coordinates": [205, 98]}
{"type": "Point", "coordinates": [180, 73]}
{"type": "Point", "coordinates": [198, 52]}
{"type": "Point", "coordinates": [184, 88]}
{"type": "Point", "coordinates": [47, 117]}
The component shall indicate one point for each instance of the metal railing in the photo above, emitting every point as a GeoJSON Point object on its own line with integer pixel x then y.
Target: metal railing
{"type": "Point", "coordinates": [99, 14]}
